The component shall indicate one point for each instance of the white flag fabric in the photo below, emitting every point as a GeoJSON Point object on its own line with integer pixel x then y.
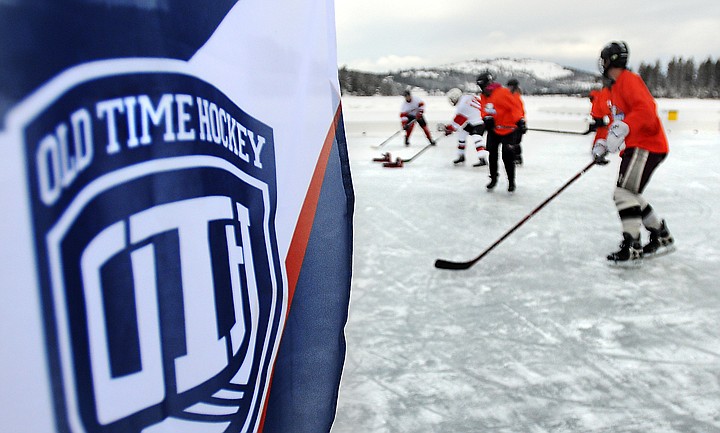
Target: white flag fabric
{"type": "Point", "coordinates": [177, 222]}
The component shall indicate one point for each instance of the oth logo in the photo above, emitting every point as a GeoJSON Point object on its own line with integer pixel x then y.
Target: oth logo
{"type": "Point", "coordinates": [162, 286]}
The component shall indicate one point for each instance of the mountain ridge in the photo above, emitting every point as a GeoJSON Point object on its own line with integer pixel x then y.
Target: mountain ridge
{"type": "Point", "coordinates": [535, 77]}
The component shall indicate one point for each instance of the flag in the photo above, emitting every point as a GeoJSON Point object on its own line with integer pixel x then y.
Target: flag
{"type": "Point", "coordinates": [177, 222]}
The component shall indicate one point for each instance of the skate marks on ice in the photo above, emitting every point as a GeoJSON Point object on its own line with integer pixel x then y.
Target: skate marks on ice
{"type": "Point", "coordinates": [541, 335]}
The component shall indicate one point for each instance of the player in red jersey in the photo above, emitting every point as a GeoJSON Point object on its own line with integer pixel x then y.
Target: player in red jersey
{"type": "Point", "coordinates": [637, 133]}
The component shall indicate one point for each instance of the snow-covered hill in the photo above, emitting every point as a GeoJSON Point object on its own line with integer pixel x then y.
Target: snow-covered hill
{"type": "Point", "coordinates": [539, 69]}
{"type": "Point", "coordinates": [535, 76]}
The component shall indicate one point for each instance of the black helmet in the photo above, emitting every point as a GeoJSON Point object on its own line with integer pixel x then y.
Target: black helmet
{"type": "Point", "coordinates": [406, 92]}
{"type": "Point", "coordinates": [615, 54]}
{"type": "Point", "coordinates": [484, 79]}
{"type": "Point", "coordinates": [513, 82]}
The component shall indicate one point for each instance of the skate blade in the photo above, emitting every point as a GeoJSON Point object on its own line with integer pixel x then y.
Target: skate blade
{"type": "Point", "coordinates": [625, 264]}
{"type": "Point", "coordinates": [662, 251]}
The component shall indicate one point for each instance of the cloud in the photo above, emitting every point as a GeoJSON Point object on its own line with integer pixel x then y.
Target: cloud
{"type": "Point", "coordinates": [387, 63]}
{"type": "Point", "coordinates": [379, 35]}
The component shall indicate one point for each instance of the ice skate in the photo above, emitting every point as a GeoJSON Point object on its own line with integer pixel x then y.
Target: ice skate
{"type": "Point", "coordinates": [511, 186]}
{"type": "Point", "coordinates": [629, 254]}
{"type": "Point", "coordinates": [660, 243]}
{"type": "Point", "coordinates": [481, 162]}
{"type": "Point", "coordinates": [491, 185]}
{"type": "Point", "coordinates": [460, 159]}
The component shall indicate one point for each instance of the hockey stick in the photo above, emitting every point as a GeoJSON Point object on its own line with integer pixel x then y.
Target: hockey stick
{"type": "Point", "coordinates": [447, 264]}
{"type": "Point", "coordinates": [561, 132]}
{"type": "Point", "coordinates": [386, 157]}
{"type": "Point", "coordinates": [399, 162]}
{"type": "Point", "coordinates": [393, 136]}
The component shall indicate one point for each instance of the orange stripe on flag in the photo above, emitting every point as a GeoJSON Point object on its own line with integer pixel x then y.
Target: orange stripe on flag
{"type": "Point", "coordinates": [301, 236]}
{"type": "Point", "coordinates": [298, 244]}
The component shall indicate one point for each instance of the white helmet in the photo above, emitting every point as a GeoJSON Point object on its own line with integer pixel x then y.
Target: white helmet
{"type": "Point", "coordinates": [454, 95]}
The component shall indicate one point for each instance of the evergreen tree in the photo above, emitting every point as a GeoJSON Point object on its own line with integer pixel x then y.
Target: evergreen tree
{"type": "Point", "coordinates": [688, 85]}
{"type": "Point", "coordinates": [705, 78]}
{"type": "Point", "coordinates": [645, 72]}
{"type": "Point", "coordinates": [673, 77]}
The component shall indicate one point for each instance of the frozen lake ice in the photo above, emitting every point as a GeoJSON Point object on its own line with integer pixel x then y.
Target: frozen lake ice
{"type": "Point", "coordinates": [541, 335]}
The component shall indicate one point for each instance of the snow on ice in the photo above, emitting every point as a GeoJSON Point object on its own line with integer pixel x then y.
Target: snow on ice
{"type": "Point", "coordinates": [541, 335]}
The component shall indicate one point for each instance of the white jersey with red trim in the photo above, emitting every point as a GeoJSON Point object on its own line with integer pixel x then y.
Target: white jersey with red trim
{"type": "Point", "coordinates": [467, 110]}
{"type": "Point", "coordinates": [415, 107]}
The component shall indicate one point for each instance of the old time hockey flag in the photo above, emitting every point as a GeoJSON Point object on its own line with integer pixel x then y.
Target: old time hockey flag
{"type": "Point", "coordinates": [177, 216]}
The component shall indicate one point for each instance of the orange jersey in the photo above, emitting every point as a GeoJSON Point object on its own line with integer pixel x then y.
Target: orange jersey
{"type": "Point", "coordinates": [518, 96]}
{"type": "Point", "coordinates": [508, 110]}
{"type": "Point", "coordinates": [633, 104]}
{"type": "Point", "coordinates": [600, 108]}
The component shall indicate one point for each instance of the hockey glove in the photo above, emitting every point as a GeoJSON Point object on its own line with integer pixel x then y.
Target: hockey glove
{"type": "Point", "coordinates": [489, 122]}
{"type": "Point", "coordinates": [598, 122]}
{"type": "Point", "coordinates": [617, 132]}
{"type": "Point", "coordinates": [599, 151]}
{"type": "Point", "coordinates": [595, 123]}
{"type": "Point", "coordinates": [449, 129]}
{"type": "Point", "coordinates": [522, 126]}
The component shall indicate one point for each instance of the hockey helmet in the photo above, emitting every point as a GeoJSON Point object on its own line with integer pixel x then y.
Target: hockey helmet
{"type": "Point", "coordinates": [484, 79]}
{"type": "Point", "coordinates": [454, 95]}
{"type": "Point", "coordinates": [615, 54]}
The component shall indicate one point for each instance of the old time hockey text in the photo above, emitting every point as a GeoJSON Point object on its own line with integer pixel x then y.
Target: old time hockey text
{"type": "Point", "coordinates": [126, 123]}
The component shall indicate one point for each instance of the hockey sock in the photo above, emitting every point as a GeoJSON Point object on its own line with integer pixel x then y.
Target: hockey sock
{"type": "Point", "coordinates": [631, 221]}
{"type": "Point", "coordinates": [650, 219]}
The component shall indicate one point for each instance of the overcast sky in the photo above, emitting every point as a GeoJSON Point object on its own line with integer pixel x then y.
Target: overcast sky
{"type": "Point", "coordinates": [387, 35]}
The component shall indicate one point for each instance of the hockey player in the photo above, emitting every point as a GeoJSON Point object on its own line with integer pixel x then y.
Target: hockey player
{"type": "Point", "coordinates": [468, 123]}
{"type": "Point", "coordinates": [600, 113]}
{"type": "Point", "coordinates": [413, 109]}
{"type": "Point", "coordinates": [600, 107]}
{"type": "Point", "coordinates": [637, 133]}
{"type": "Point", "coordinates": [514, 86]}
{"type": "Point", "coordinates": [504, 123]}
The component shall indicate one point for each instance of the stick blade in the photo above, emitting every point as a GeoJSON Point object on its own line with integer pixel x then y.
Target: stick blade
{"type": "Point", "coordinates": [394, 164]}
{"type": "Point", "coordinates": [386, 157]}
{"type": "Point", "coordinates": [447, 264]}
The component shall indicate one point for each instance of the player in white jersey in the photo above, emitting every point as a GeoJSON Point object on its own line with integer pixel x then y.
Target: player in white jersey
{"type": "Point", "coordinates": [412, 109]}
{"type": "Point", "coordinates": [468, 123]}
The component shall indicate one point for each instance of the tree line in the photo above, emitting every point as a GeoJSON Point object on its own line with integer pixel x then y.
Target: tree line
{"type": "Point", "coordinates": [680, 78]}
{"type": "Point", "coordinates": [367, 84]}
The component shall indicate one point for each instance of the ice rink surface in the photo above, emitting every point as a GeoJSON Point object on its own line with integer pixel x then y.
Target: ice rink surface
{"type": "Point", "coordinates": [541, 335]}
